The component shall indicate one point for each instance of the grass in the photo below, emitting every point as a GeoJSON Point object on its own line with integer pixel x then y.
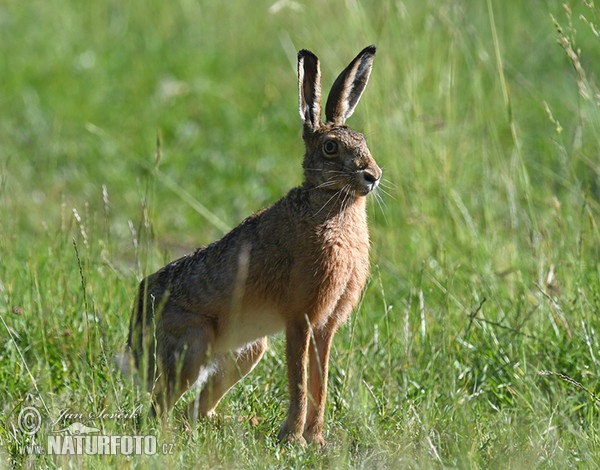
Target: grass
{"type": "Point", "coordinates": [133, 132]}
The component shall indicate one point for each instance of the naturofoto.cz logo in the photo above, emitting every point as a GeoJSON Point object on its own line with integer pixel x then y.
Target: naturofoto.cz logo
{"type": "Point", "coordinates": [78, 438]}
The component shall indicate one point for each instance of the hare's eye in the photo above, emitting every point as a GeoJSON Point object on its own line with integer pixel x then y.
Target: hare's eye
{"type": "Point", "coordinates": [330, 147]}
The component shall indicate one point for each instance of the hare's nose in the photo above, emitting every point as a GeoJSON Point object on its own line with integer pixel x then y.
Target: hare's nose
{"type": "Point", "coordinates": [371, 179]}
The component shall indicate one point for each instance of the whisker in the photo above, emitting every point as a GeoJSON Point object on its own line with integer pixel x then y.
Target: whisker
{"type": "Point", "coordinates": [343, 194]}
{"type": "Point", "coordinates": [337, 193]}
{"type": "Point", "coordinates": [386, 186]}
{"type": "Point", "coordinates": [379, 188]}
{"type": "Point", "coordinates": [346, 201]}
{"type": "Point", "coordinates": [326, 184]}
{"type": "Point", "coordinates": [382, 205]}
{"type": "Point", "coordinates": [380, 199]}
{"type": "Point", "coordinates": [323, 170]}
{"type": "Point", "coordinates": [388, 183]}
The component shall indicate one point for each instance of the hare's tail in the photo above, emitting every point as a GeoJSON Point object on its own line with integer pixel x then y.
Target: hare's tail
{"type": "Point", "coordinates": [124, 361]}
{"type": "Point", "coordinates": [128, 359]}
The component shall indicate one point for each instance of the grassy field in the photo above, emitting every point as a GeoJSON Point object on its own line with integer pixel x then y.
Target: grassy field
{"type": "Point", "coordinates": [133, 132]}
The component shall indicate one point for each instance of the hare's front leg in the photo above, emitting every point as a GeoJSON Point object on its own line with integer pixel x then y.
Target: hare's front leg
{"type": "Point", "coordinates": [319, 367]}
{"type": "Point", "coordinates": [230, 368]}
{"type": "Point", "coordinates": [297, 340]}
{"type": "Point", "coordinates": [319, 361]}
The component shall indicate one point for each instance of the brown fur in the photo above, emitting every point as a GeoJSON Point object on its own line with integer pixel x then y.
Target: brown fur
{"type": "Point", "coordinates": [299, 265]}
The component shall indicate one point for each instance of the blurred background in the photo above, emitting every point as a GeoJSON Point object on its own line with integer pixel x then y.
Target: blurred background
{"type": "Point", "coordinates": [133, 132]}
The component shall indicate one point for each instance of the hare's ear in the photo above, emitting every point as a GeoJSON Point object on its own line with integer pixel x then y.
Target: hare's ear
{"type": "Point", "coordinates": [349, 86]}
{"type": "Point", "coordinates": [309, 89]}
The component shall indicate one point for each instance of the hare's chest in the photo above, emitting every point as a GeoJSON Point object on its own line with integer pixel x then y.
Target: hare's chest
{"type": "Point", "coordinates": [346, 266]}
{"type": "Point", "coordinates": [346, 250]}
{"type": "Point", "coordinates": [340, 276]}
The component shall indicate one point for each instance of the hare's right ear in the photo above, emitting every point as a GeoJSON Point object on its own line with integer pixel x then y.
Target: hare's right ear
{"type": "Point", "coordinates": [309, 89]}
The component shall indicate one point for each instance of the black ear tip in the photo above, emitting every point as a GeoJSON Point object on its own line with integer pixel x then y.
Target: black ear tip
{"type": "Point", "coordinates": [370, 49]}
{"type": "Point", "coordinates": [306, 53]}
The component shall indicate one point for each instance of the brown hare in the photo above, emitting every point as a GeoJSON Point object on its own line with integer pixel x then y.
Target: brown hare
{"type": "Point", "coordinates": [299, 266]}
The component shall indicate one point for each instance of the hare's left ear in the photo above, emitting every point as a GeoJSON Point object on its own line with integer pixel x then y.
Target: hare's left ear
{"type": "Point", "coordinates": [309, 89]}
{"type": "Point", "coordinates": [349, 86]}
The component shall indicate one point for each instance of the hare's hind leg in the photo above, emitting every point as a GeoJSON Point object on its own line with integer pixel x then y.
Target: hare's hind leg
{"type": "Point", "coordinates": [229, 369]}
{"type": "Point", "coordinates": [183, 355]}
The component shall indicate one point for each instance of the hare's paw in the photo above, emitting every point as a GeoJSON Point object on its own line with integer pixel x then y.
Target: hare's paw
{"type": "Point", "coordinates": [193, 415]}
{"type": "Point", "coordinates": [210, 415]}
{"type": "Point", "coordinates": [290, 436]}
{"type": "Point", "coordinates": [314, 437]}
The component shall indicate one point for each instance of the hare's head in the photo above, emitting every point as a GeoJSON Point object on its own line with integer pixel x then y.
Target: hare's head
{"type": "Point", "coordinates": [337, 158]}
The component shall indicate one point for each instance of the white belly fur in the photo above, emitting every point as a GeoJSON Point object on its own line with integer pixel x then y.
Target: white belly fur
{"type": "Point", "coordinates": [247, 326]}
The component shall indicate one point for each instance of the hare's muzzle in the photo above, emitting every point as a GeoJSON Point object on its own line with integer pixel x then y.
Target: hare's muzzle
{"type": "Point", "coordinates": [370, 179]}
